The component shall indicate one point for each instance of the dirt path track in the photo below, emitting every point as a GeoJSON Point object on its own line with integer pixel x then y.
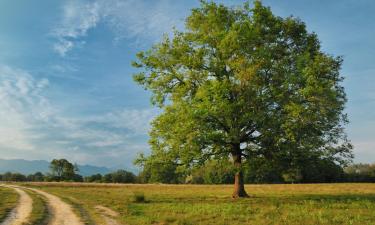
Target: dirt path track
{"type": "Point", "coordinates": [108, 215]}
{"type": "Point", "coordinates": [62, 213]}
{"type": "Point", "coordinates": [20, 214]}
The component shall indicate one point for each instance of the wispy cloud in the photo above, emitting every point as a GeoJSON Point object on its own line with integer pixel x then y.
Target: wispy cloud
{"type": "Point", "coordinates": [21, 102]}
{"type": "Point", "coordinates": [78, 18]}
{"type": "Point", "coordinates": [135, 120]}
{"type": "Point", "coordinates": [30, 122]}
{"type": "Point", "coordinates": [126, 18]}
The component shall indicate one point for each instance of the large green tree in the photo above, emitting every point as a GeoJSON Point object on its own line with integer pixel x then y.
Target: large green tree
{"type": "Point", "coordinates": [241, 82]}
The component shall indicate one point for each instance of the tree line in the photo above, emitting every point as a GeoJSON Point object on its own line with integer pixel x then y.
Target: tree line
{"type": "Point", "coordinates": [63, 170]}
{"type": "Point", "coordinates": [212, 172]}
{"type": "Point", "coordinates": [259, 172]}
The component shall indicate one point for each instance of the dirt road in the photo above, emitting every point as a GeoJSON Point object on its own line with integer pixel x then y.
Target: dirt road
{"type": "Point", "coordinates": [20, 214]}
{"type": "Point", "coordinates": [62, 213]}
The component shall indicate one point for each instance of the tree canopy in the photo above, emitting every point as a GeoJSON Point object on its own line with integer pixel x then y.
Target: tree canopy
{"type": "Point", "coordinates": [63, 170]}
{"type": "Point", "coordinates": [241, 82]}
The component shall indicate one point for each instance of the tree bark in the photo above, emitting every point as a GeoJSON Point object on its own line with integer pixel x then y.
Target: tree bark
{"type": "Point", "coordinates": [239, 186]}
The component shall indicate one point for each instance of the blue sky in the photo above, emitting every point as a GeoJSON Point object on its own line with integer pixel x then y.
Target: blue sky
{"type": "Point", "coordinates": [66, 86]}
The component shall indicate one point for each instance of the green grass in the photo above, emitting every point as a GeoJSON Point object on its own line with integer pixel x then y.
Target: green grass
{"type": "Point", "coordinates": [211, 204]}
{"type": "Point", "coordinates": [8, 200]}
{"type": "Point", "coordinates": [39, 214]}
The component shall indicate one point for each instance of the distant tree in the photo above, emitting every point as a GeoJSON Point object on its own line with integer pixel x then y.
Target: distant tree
{"type": "Point", "coordinates": [321, 171]}
{"type": "Point", "coordinates": [241, 82]}
{"type": "Point", "coordinates": [119, 176]}
{"type": "Point", "coordinates": [144, 176]}
{"type": "Point", "coordinates": [159, 172]}
{"type": "Point", "coordinates": [361, 172]}
{"type": "Point", "coordinates": [97, 178]}
{"type": "Point", "coordinates": [310, 170]}
{"type": "Point", "coordinates": [123, 176]}
{"type": "Point", "coordinates": [213, 172]}
{"type": "Point", "coordinates": [63, 170]}
{"type": "Point", "coordinates": [107, 178]}
{"type": "Point", "coordinates": [37, 177]}
{"type": "Point", "coordinates": [262, 170]}
{"type": "Point", "coordinates": [292, 176]}
{"type": "Point", "coordinates": [8, 176]}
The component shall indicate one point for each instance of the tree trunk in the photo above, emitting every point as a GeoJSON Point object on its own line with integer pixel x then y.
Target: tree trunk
{"type": "Point", "coordinates": [239, 186]}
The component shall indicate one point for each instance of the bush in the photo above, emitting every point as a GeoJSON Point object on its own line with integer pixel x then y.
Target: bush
{"type": "Point", "coordinates": [139, 197]}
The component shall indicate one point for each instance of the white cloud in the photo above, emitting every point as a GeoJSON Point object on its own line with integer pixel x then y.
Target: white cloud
{"type": "Point", "coordinates": [33, 126]}
{"type": "Point", "coordinates": [136, 120]}
{"type": "Point", "coordinates": [78, 18]}
{"type": "Point", "coordinates": [126, 18]}
{"type": "Point", "coordinates": [20, 102]}
{"type": "Point", "coordinates": [63, 46]}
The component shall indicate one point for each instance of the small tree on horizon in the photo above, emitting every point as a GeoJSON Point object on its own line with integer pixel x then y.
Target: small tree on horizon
{"type": "Point", "coordinates": [62, 170]}
{"type": "Point", "coordinates": [241, 82]}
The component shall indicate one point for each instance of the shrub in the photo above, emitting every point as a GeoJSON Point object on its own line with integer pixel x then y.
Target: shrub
{"type": "Point", "coordinates": [139, 197]}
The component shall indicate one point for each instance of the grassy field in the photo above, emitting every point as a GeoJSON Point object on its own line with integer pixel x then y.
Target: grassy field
{"type": "Point", "coordinates": [8, 200]}
{"type": "Point", "coordinates": [211, 204]}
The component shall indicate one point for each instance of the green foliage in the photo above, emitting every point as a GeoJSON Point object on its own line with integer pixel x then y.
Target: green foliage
{"type": "Point", "coordinates": [8, 176]}
{"type": "Point", "coordinates": [245, 82]}
{"type": "Point", "coordinates": [155, 171]}
{"type": "Point", "coordinates": [38, 177]}
{"type": "Point", "coordinates": [122, 176]}
{"type": "Point", "coordinates": [323, 170]}
{"type": "Point", "coordinates": [119, 176]}
{"type": "Point", "coordinates": [292, 176]}
{"type": "Point", "coordinates": [212, 172]}
{"type": "Point", "coordinates": [360, 173]}
{"type": "Point", "coordinates": [310, 170]}
{"type": "Point", "coordinates": [260, 170]}
{"type": "Point", "coordinates": [97, 178]}
{"type": "Point", "coordinates": [63, 170]}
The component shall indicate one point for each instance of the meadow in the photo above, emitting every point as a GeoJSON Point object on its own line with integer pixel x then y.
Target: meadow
{"type": "Point", "coordinates": [211, 204]}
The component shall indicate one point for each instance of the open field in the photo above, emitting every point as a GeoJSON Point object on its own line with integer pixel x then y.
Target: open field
{"type": "Point", "coordinates": [211, 204]}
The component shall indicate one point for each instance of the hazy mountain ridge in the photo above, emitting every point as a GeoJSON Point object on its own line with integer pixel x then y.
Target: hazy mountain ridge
{"type": "Point", "coordinates": [32, 166]}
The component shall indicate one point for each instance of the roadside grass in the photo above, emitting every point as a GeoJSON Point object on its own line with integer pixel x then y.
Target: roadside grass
{"type": "Point", "coordinates": [8, 200]}
{"type": "Point", "coordinates": [40, 213]}
{"type": "Point", "coordinates": [211, 204]}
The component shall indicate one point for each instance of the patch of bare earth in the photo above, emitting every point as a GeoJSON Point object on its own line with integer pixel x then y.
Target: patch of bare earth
{"type": "Point", "coordinates": [108, 215]}
{"type": "Point", "coordinates": [21, 213]}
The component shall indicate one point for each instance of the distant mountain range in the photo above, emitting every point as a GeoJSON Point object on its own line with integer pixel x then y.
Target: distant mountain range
{"type": "Point", "coordinates": [31, 166]}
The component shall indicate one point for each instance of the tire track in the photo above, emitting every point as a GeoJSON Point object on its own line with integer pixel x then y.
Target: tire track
{"type": "Point", "coordinates": [108, 215]}
{"type": "Point", "coordinates": [21, 213]}
{"type": "Point", "coordinates": [61, 212]}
